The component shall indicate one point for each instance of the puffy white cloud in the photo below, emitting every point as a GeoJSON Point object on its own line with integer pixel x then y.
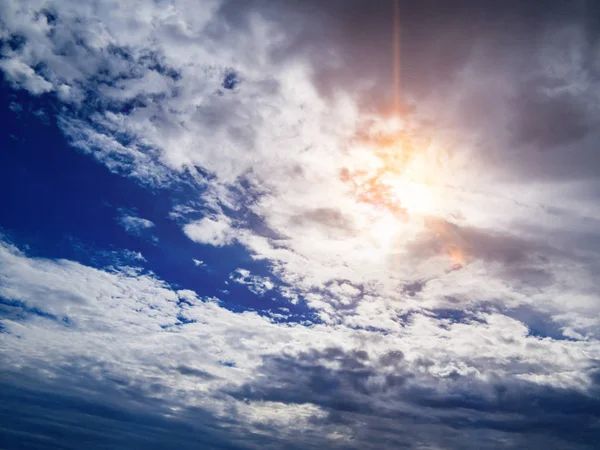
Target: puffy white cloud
{"type": "Point", "coordinates": [24, 76]}
{"type": "Point", "coordinates": [213, 231]}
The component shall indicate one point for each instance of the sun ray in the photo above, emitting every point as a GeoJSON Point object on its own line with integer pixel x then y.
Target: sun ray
{"type": "Point", "coordinates": [396, 49]}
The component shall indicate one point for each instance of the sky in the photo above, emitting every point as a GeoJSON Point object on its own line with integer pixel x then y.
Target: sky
{"type": "Point", "coordinates": [299, 224]}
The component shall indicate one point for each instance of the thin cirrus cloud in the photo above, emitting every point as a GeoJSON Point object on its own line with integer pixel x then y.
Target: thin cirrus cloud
{"type": "Point", "coordinates": [134, 225]}
{"type": "Point", "coordinates": [448, 288]}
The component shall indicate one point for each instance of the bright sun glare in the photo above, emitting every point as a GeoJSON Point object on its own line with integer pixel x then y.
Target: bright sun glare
{"type": "Point", "coordinates": [396, 174]}
{"type": "Point", "coordinates": [402, 179]}
{"type": "Point", "coordinates": [415, 198]}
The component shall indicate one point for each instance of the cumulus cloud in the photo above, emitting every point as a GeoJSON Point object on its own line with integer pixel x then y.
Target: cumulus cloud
{"type": "Point", "coordinates": [24, 76]}
{"type": "Point", "coordinates": [212, 231]}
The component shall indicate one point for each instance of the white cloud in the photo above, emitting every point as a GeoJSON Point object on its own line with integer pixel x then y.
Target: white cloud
{"type": "Point", "coordinates": [278, 150]}
{"type": "Point", "coordinates": [24, 76]}
{"type": "Point", "coordinates": [255, 283]}
{"type": "Point", "coordinates": [130, 326]}
{"type": "Point", "coordinates": [134, 255]}
{"type": "Point", "coordinates": [213, 231]}
{"type": "Point", "coordinates": [135, 225]}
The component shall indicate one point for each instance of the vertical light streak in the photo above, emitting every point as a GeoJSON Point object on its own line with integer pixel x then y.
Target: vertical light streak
{"type": "Point", "coordinates": [396, 49]}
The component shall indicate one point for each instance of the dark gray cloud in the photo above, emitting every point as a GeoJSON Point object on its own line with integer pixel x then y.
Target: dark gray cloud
{"type": "Point", "coordinates": [364, 394]}
{"type": "Point", "coordinates": [548, 122]}
{"type": "Point", "coordinates": [351, 41]}
{"type": "Point", "coordinates": [98, 414]}
{"type": "Point", "coordinates": [349, 46]}
{"type": "Point", "coordinates": [374, 398]}
{"type": "Point", "coordinates": [520, 256]}
{"type": "Point", "coordinates": [193, 372]}
{"type": "Point", "coordinates": [329, 219]}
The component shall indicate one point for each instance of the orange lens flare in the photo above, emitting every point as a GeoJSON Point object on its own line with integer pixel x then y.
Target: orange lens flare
{"type": "Point", "coordinates": [397, 179]}
{"type": "Point", "coordinates": [402, 177]}
{"type": "Point", "coordinates": [396, 47]}
{"type": "Point", "coordinates": [398, 173]}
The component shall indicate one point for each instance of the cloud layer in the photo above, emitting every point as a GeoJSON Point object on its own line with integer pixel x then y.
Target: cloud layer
{"type": "Point", "coordinates": [448, 253]}
{"type": "Point", "coordinates": [128, 337]}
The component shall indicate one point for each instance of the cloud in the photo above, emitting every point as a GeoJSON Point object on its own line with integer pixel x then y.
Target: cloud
{"type": "Point", "coordinates": [167, 109]}
{"type": "Point", "coordinates": [200, 363]}
{"type": "Point", "coordinates": [24, 76]}
{"type": "Point", "coordinates": [255, 283]}
{"type": "Point", "coordinates": [449, 255]}
{"type": "Point", "coordinates": [212, 231]}
{"type": "Point", "coordinates": [354, 387]}
{"type": "Point", "coordinates": [135, 225]}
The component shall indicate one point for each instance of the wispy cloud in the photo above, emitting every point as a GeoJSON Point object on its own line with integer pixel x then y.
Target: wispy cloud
{"type": "Point", "coordinates": [255, 283]}
{"type": "Point", "coordinates": [135, 225]}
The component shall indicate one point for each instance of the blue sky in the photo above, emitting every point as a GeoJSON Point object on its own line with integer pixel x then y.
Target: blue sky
{"type": "Point", "coordinates": [219, 230]}
{"type": "Point", "coordinates": [98, 218]}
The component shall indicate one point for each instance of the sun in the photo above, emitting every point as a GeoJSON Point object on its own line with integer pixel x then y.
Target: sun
{"type": "Point", "coordinates": [403, 183]}
{"type": "Point", "coordinates": [415, 197]}
{"type": "Point", "coordinates": [398, 172]}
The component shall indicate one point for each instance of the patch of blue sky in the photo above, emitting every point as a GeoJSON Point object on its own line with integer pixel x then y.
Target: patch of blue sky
{"type": "Point", "coordinates": [58, 202]}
